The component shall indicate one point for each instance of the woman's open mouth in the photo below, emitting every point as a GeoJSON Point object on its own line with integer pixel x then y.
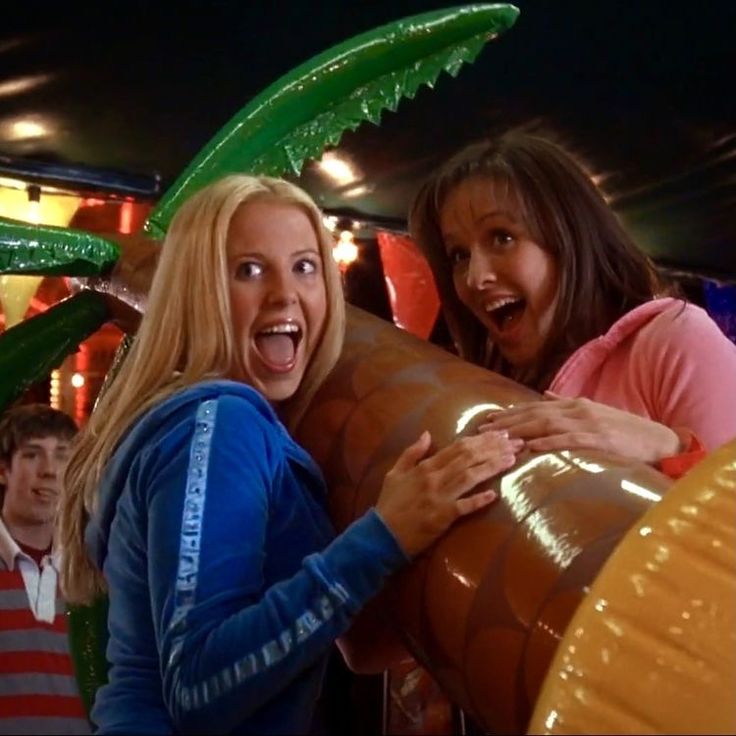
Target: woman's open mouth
{"type": "Point", "coordinates": [277, 345]}
{"type": "Point", "coordinates": [505, 313]}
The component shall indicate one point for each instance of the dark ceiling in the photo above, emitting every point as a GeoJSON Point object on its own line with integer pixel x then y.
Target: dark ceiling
{"type": "Point", "coordinates": [643, 90]}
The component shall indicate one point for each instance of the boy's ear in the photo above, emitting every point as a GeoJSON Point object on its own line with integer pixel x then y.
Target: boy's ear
{"type": "Point", "coordinates": [3, 473]}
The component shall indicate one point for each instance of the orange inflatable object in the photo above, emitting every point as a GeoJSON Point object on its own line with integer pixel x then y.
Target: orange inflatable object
{"type": "Point", "coordinates": [485, 608]}
{"type": "Point", "coordinates": [652, 648]}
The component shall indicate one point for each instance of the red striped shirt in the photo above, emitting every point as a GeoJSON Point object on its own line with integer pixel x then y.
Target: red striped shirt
{"type": "Point", "coordinates": [35, 682]}
{"type": "Point", "coordinates": [33, 706]}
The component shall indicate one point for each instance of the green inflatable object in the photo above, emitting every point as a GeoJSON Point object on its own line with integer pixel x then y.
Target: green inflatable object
{"type": "Point", "coordinates": [312, 106]}
{"type": "Point", "coordinates": [42, 250]}
{"type": "Point", "coordinates": [87, 627]}
{"type": "Point", "coordinates": [31, 350]}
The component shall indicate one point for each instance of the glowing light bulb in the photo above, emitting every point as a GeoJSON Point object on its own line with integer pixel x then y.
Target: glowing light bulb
{"type": "Point", "coordinates": [55, 390]}
{"type": "Point", "coordinates": [345, 251]}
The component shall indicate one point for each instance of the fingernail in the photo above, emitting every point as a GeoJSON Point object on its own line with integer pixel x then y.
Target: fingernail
{"type": "Point", "coordinates": [517, 443]}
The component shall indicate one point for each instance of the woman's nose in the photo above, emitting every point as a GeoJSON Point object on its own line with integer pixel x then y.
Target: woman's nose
{"type": "Point", "coordinates": [282, 289]}
{"type": "Point", "coordinates": [481, 271]}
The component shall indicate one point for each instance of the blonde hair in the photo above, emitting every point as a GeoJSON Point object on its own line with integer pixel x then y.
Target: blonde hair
{"type": "Point", "coordinates": [184, 337]}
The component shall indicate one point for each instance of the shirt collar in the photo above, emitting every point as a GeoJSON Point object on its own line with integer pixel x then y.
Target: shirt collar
{"type": "Point", "coordinates": [9, 549]}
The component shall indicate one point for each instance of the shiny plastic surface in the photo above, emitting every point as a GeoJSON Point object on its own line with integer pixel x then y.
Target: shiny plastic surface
{"type": "Point", "coordinates": [309, 108]}
{"type": "Point", "coordinates": [43, 250]}
{"type": "Point", "coordinates": [652, 649]}
{"type": "Point", "coordinates": [409, 283]}
{"type": "Point", "coordinates": [33, 348]}
{"type": "Point", "coordinates": [126, 286]}
{"type": "Point", "coordinates": [484, 609]}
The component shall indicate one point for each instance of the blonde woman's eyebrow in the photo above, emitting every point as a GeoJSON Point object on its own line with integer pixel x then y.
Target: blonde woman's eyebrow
{"type": "Point", "coordinates": [257, 254]}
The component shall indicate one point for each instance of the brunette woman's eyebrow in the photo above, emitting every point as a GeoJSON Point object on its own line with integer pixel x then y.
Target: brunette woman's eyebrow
{"type": "Point", "coordinates": [497, 213]}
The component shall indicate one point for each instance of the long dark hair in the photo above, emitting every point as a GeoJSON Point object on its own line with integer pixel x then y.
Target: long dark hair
{"type": "Point", "coordinates": [602, 273]}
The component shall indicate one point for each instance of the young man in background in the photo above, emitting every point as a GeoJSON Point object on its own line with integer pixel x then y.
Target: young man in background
{"type": "Point", "coordinates": [38, 691]}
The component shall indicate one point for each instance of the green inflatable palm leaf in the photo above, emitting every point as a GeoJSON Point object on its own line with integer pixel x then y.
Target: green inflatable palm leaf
{"type": "Point", "coordinates": [310, 108]}
{"type": "Point", "coordinates": [43, 250]}
{"type": "Point", "coordinates": [31, 350]}
{"type": "Point", "coordinates": [365, 103]}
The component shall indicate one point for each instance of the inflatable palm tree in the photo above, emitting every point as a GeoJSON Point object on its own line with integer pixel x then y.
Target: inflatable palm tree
{"type": "Point", "coordinates": [288, 124]}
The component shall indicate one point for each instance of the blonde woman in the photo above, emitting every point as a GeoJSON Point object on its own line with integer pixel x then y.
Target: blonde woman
{"type": "Point", "coordinates": [188, 501]}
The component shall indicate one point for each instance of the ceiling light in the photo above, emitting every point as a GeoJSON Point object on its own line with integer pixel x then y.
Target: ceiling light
{"type": "Point", "coordinates": [22, 84]}
{"type": "Point", "coordinates": [25, 129]}
{"type": "Point", "coordinates": [337, 168]}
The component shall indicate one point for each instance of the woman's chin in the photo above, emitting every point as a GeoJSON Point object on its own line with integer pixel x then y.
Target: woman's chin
{"type": "Point", "coordinates": [280, 386]}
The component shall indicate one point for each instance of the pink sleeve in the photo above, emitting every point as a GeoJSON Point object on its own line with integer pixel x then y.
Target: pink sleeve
{"type": "Point", "coordinates": [693, 370]}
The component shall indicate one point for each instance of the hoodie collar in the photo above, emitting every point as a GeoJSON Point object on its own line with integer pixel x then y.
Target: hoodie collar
{"type": "Point", "coordinates": [587, 358]}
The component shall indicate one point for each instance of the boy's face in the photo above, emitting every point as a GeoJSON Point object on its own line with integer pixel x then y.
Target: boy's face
{"type": "Point", "coordinates": [32, 480]}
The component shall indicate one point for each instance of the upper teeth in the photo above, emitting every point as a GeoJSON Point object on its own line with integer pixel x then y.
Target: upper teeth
{"type": "Point", "coordinates": [497, 303]}
{"type": "Point", "coordinates": [286, 327]}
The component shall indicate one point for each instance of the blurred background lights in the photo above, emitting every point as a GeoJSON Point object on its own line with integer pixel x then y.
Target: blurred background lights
{"type": "Point", "coordinates": [345, 250]}
{"type": "Point", "coordinates": [55, 390]}
{"type": "Point", "coordinates": [19, 85]}
{"type": "Point", "coordinates": [337, 168]}
{"type": "Point", "coordinates": [330, 222]}
{"type": "Point", "coordinates": [26, 129]}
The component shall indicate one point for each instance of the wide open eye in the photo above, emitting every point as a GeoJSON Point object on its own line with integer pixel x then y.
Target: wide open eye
{"type": "Point", "coordinates": [307, 266]}
{"type": "Point", "coordinates": [501, 237]}
{"type": "Point", "coordinates": [248, 270]}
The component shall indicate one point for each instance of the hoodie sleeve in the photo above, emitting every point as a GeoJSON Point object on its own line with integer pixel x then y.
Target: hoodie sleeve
{"type": "Point", "coordinates": [226, 645]}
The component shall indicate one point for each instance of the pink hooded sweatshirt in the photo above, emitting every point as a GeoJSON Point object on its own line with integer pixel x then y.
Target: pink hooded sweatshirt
{"type": "Point", "coordinates": [666, 360]}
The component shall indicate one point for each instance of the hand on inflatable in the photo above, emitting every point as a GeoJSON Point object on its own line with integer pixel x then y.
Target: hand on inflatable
{"type": "Point", "coordinates": [421, 496]}
{"type": "Point", "coordinates": [576, 424]}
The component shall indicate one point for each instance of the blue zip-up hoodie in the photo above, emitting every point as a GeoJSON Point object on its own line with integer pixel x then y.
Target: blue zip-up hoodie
{"type": "Point", "coordinates": [227, 585]}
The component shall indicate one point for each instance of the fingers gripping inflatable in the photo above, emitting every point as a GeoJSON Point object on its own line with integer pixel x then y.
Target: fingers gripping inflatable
{"type": "Point", "coordinates": [485, 608]}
